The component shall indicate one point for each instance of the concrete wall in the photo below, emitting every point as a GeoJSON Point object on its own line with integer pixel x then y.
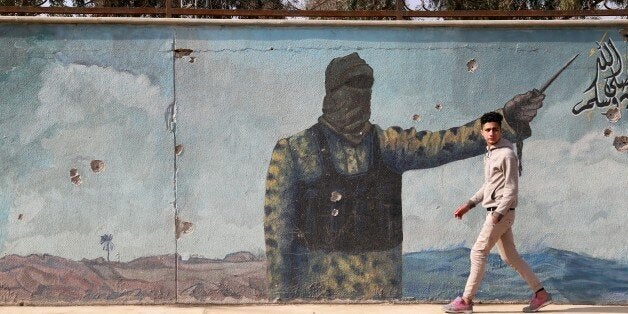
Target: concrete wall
{"type": "Point", "coordinates": [95, 200]}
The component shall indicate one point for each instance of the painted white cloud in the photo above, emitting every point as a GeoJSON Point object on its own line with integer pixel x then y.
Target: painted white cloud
{"type": "Point", "coordinates": [68, 91]}
{"type": "Point", "coordinates": [86, 113]}
{"type": "Point", "coordinates": [571, 195]}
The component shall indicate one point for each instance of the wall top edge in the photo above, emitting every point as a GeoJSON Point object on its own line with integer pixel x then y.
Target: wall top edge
{"type": "Point", "coordinates": [312, 23]}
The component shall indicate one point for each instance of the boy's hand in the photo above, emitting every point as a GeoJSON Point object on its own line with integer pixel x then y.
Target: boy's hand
{"type": "Point", "coordinates": [461, 210]}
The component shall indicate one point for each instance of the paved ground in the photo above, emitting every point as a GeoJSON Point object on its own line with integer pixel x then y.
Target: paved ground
{"type": "Point", "coordinates": [303, 309]}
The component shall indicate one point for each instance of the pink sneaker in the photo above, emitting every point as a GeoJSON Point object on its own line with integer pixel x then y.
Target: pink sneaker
{"type": "Point", "coordinates": [538, 302]}
{"type": "Point", "coordinates": [458, 306]}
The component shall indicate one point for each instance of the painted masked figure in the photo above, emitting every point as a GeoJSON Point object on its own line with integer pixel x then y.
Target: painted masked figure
{"type": "Point", "coordinates": [333, 218]}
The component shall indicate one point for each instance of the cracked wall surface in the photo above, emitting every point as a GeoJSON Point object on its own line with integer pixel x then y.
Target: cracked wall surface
{"type": "Point", "coordinates": [137, 156]}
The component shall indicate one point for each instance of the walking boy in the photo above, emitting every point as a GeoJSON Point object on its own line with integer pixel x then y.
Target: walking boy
{"type": "Point", "coordinates": [498, 195]}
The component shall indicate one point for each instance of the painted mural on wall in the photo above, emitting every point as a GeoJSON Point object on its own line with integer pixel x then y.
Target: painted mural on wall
{"type": "Point", "coordinates": [333, 192]}
{"type": "Point", "coordinates": [302, 162]}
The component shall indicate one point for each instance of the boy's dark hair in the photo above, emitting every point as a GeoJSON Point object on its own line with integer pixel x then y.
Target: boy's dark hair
{"type": "Point", "coordinates": [491, 117]}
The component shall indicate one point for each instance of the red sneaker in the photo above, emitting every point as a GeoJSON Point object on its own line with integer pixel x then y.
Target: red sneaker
{"type": "Point", "coordinates": [458, 306]}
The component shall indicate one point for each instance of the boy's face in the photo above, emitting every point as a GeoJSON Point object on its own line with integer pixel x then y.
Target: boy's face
{"type": "Point", "coordinates": [492, 132]}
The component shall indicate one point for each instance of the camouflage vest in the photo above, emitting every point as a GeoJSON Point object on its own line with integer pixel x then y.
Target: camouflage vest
{"type": "Point", "coordinates": [349, 213]}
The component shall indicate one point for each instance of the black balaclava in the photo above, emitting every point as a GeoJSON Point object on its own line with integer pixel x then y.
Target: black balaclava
{"type": "Point", "coordinates": [347, 103]}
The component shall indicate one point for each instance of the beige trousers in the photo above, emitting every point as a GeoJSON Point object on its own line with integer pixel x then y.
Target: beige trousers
{"type": "Point", "coordinates": [499, 234]}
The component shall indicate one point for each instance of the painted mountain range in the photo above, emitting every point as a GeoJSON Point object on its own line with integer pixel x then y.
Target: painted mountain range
{"type": "Point", "coordinates": [46, 279]}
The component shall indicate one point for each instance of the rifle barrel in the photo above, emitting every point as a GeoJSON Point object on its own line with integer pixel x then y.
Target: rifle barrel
{"type": "Point", "coordinates": [551, 80]}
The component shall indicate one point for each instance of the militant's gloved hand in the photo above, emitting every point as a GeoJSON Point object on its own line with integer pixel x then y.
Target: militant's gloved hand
{"type": "Point", "coordinates": [521, 109]}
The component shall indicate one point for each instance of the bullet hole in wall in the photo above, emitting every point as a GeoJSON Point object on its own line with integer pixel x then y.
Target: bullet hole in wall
{"type": "Point", "coordinates": [20, 216]}
{"type": "Point", "coordinates": [182, 52]}
{"type": "Point", "coordinates": [192, 59]}
{"type": "Point", "coordinates": [472, 65]}
{"type": "Point", "coordinates": [416, 117]}
{"type": "Point", "coordinates": [613, 114]}
{"type": "Point", "coordinates": [75, 177]}
{"type": "Point", "coordinates": [621, 143]}
{"type": "Point", "coordinates": [335, 196]}
{"type": "Point", "coordinates": [97, 165]}
{"type": "Point", "coordinates": [608, 132]}
{"type": "Point", "coordinates": [439, 106]}
{"type": "Point", "coordinates": [182, 227]}
{"type": "Point", "coordinates": [178, 150]}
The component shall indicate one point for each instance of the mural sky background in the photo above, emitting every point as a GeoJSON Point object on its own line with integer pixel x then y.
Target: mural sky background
{"type": "Point", "coordinates": [87, 92]}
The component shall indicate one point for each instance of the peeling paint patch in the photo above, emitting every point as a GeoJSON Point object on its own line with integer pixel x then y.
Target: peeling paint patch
{"type": "Point", "coordinates": [178, 150]}
{"type": "Point", "coordinates": [417, 117]}
{"type": "Point", "coordinates": [97, 165]}
{"type": "Point", "coordinates": [182, 227]}
{"type": "Point", "coordinates": [613, 114]}
{"type": "Point", "coordinates": [75, 177]}
{"type": "Point", "coordinates": [589, 115]}
{"type": "Point", "coordinates": [472, 65]}
{"type": "Point", "coordinates": [182, 52]}
{"type": "Point", "coordinates": [621, 143]}
{"type": "Point", "coordinates": [171, 117]}
{"type": "Point", "coordinates": [608, 132]}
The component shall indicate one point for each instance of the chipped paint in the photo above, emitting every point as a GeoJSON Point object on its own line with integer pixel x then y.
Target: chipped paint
{"type": "Point", "coordinates": [170, 116]}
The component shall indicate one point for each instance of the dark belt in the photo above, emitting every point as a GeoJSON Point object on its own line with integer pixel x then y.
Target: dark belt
{"type": "Point", "coordinates": [492, 209]}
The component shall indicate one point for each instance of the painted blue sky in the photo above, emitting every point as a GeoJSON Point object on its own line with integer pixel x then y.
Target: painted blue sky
{"type": "Point", "coordinates": [78, 93]}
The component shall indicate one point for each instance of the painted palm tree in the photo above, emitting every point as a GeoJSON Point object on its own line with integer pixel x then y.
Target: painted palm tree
{"type": "Point", "coordinates": [106, 240]}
